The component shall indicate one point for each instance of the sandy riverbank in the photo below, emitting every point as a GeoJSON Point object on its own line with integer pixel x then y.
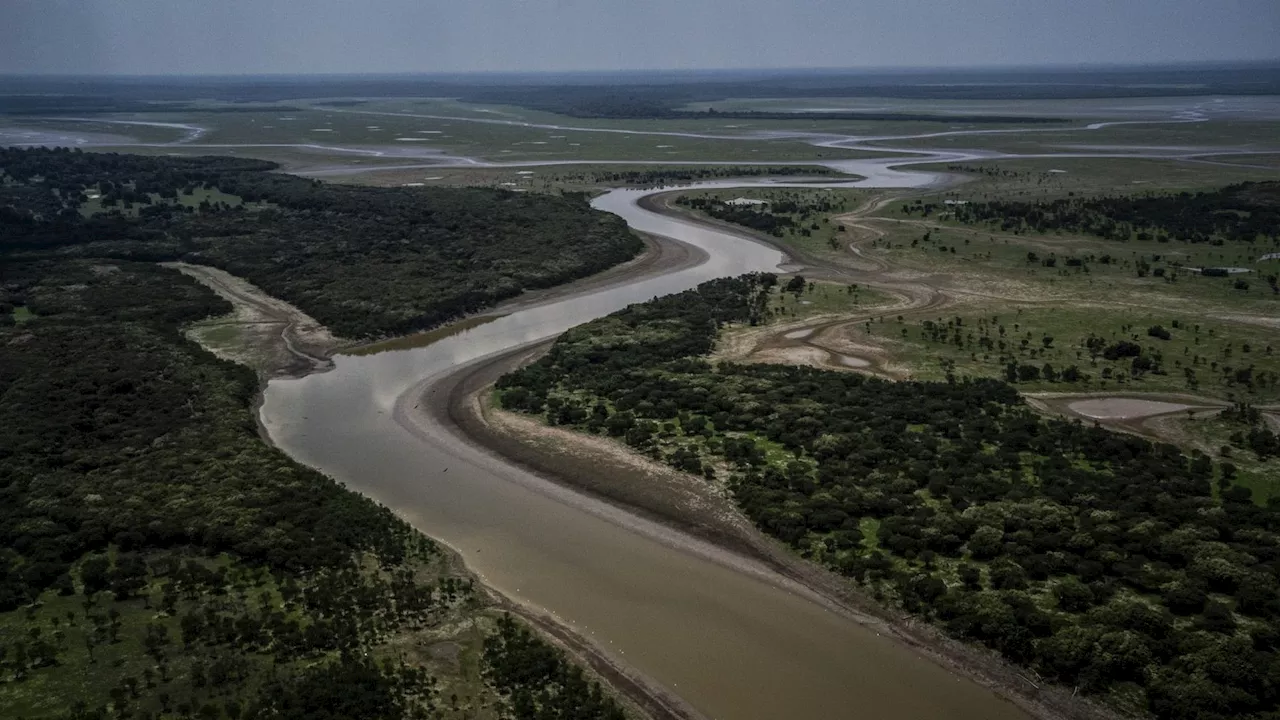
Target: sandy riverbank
{"type": "Point", "coordinates": [685, 504]}
{"type": "Point", "coordinates": [606, 470]}
{"type": "Point", "coordinates": [688, 520]}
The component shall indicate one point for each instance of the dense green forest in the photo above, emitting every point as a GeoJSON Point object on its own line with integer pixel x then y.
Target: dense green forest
{"type": "Point", "coordinates": [410, 258]}
{"type": "Point", "coordinates": [1100, 560]}
{"type": "Point", "coordinates": [536, 680]}
{"type": "Point", "coordinates": [673, 176]}
{"type": "Point", "coordinates": [158, 559]}
{"type": "Point", "coordinates": [1248, 212]}
{"type": "Point", "coordinates": [793, 212]}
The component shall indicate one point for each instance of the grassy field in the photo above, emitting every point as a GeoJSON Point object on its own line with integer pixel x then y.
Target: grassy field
{"type": "Point", "coordinates": [141, 133]}
{"type": "Point", "coordinates": [1050, 178]}
{"type": "Point", "coordinates": [1213, 435]}
{"type": "Point", "coordinates": [823, 298]}
{"type": "Point", "coordinates": [1173, 137]}
{"type": "Point", "coordinates": [1010, 292]}
{"type": "Point", "coordinates": [193, 199]}
{"type": "Point", "coordinates": [1200, 356]}
{"type": "Point", "coordinates": [415, 136]}
{"type": "Point", "coordinates": [1152, 108]}
{"type": "Point", "coordinates": [712, 126]}
{"type": "Point", "coordinates": [1138, 273]}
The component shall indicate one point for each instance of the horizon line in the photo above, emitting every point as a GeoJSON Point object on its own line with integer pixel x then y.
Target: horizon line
{"type": "Point", "coordinates": [1267, 63]}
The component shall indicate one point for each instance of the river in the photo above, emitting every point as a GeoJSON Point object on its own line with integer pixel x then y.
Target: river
{"type": "Point", "coordinates": [729, 637]}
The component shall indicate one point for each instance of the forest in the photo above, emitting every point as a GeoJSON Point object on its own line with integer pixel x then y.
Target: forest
{"type": "Point", "coordinates": [791, 212]}
{"type": "Point", "coordinates": [1247, 212]}
{"type": "Point", "coordinates": [679, 175]}
{"type": "Point", "coordinates": [1101, 561]}
{"type": "Point", "coordinates": [158, 558]}
{"type": "Point", "coordinates": [411, 258]}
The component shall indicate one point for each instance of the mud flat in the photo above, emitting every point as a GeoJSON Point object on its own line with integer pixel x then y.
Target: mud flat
{"type": "Point", "coordinates": [1123, 408]}
{"type": "Point", "coordinates": [264, 332]}
{"type": "Point", "coordinates": [854, 361]}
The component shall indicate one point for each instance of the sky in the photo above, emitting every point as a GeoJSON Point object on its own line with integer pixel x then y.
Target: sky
{"type": "Point", "coordinates": [132, 37]}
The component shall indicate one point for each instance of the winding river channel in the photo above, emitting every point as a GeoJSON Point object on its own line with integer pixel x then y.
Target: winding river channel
{"type": "Point", "coordinates": [723, 633]}
{"type": "Point", "coordinates": [728, 636]}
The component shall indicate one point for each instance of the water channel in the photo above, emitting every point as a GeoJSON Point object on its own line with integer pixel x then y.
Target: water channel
{"type": "Point", "coordinates": [728, 636]}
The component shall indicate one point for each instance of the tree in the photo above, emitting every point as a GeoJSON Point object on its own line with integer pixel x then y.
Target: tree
{"type": "Point", "coordinates": [1073, 596]}
{"type": "Point", "coordinates": [986, 542]}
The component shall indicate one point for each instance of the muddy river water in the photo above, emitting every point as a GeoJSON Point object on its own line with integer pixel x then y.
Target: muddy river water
{"type": "Point", "coordinates": [729, 637]}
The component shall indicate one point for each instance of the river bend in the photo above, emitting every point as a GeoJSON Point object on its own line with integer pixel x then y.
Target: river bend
{"type": "Point", "coordinates": [726, 635]}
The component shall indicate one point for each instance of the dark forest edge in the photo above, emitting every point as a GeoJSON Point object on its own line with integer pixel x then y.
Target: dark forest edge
{"type": "Point", "coordinates": [411, 258]}
{"type": "Point", "coordinates": [1098, 560]}
{"type": "Point", "coordinates": [1247, 212]}
{"type": "Point", "coordinates": [158, 559]}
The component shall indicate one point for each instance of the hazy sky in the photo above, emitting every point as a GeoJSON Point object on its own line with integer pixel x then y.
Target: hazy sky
{"type": "Point", "coordinates": [336, 36]}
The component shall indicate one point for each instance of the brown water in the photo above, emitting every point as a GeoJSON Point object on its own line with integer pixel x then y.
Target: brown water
{"type": "Point", "coordinates": [728, 636]}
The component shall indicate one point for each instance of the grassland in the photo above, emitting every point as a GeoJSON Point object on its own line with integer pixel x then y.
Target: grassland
{"type": "Point", "coordinates": [709, 125]}
{"type": "Point", "coordinates": [1147, 108]}
{"type": "Point", "coordinates": [1051, 178]}
{"type": "Point", "coordinates": [194, 199]}
{"type": "Point", "coordinates": [417, 136]}
{"type": "Point", "coordinates": [1041, 310]}
{"type": "Point", "coordinates": [1200, 357]}
{"type": "Point", "coordinates": [1212, 434]}
{"type": "Point", "coordinates": [821, 299]}
{"type": "Point", "coordinates": [1166, 137]}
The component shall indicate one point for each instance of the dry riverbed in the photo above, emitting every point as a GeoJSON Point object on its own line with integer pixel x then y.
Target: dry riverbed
{"type": "Point", "coordinates": [264, 332]}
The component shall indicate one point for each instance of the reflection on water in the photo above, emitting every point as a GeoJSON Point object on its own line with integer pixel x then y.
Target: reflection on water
{"type": "Point", "coordinates": [732, 641]}
{"type": "Point", "coordinates": [422, 339]}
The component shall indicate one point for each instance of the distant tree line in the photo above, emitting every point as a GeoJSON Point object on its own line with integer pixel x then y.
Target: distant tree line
{"type": "Point", "coordinates": [657, 178]}
{"type": "Point", "coordinates": [1247, 212]}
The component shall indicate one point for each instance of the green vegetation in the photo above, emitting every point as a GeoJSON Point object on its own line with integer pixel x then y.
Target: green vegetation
{"type": "Point", "coordinates": [126, 201]}
{"type": "Point", "coordinates": [409, 259]}
{"type": "Point", "coordinates": [659, 177]}
{"type": "Point", "coordinates": [1241, 437]}
{"type": "Point", "coordinates": [498, 136]}
{"type": "Point", "coordinates": [1098, 559]}
{"type": "Point", "coordinates": [157, 557]}
{"type": "Point", "coordinates": [154, 545]}
{"type": "Point", "coordinates": [1083, 348]}
{"type": "Point", "coordinates": [799, 216]}
{"type": "Point", "coordinates": [1245, 213]}
{"type": "Point", "coordinates": [798, 298]}
{"type": "Point", "coordinates": [585, 177]}
{"type": "Point", "coordinates": [1260, 133]}
{"type": "Point", "coordinates": [536, 680]}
